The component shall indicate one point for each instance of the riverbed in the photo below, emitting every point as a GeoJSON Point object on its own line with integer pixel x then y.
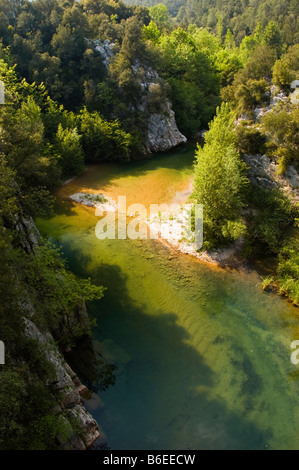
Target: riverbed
{"type": "Point", "coordinates": [201, 354]}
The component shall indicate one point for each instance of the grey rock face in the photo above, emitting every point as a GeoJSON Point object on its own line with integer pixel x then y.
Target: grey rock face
{"type": "Point", "coordinates": [29, 233]}
{"type": "Point", "coordinates": [104, 48]}
{"type": "Point", "coordinates": [263, 171]}
{"type": "Point", "coordinates": [162, 131]}
{"type": "Point", "coordinates": [67, 385]}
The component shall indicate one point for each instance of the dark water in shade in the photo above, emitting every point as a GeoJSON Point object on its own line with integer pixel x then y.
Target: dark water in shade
{"type": "Point", "coordinates": [202, 355]}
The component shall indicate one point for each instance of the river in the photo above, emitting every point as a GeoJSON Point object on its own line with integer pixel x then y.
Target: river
{"type": "Point", "coordinates": [201, 354]}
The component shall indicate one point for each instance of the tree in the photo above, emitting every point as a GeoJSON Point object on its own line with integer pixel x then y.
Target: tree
{"type": "Point", "coordinates": [103, 140]}
{"type": "Point", "coordinates": [151, 32]}
{"type": "Point", "coordinates": [220, 181]}
{"type": "Point", "coordinates": [249, 95]}
{"type": "Point", "coordinates": [286, 69]}
{"type": "Point", "coordinates": [69, 151]}
{"type": "Point", "coordinates": [132, 47]}
{"type": "Point", "coordinates": [23, 144]}
{"type": "Point", "coordinates": [281, 126]}
{"type": "Point", "coordinates": [159, 14]}
{"type": "Point", "coordinates": [272, 37]}
{"type": "Point", "coordinates": [192, 76]}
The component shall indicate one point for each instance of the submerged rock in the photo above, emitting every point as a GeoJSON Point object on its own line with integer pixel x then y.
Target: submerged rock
{"type": "Point", "coordinates": [100, 201]}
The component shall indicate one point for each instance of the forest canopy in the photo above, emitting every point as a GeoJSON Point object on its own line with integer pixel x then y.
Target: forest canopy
{"type": "Point", "coordinates": [82, 79]}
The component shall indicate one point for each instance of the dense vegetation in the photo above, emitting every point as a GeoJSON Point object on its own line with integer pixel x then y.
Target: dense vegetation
{"type": "Point", "coordinates": [57, 43]}
{"type": "Point", "coordinates": [241, 17]}
{"type": "Point", "coordinates": [220, 181]}
{"type": "Point", "coordinates": [34, 283]}
{"type": "Point", "coordinates": [66, 106]}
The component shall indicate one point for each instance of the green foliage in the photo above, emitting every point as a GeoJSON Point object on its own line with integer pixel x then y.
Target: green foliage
{"type": "Point", "coordinates": [250, 87]}
{"type": "Point", "coordinates": [132, 46]}
{"type": "Point", "coordinates": [11, 319]}
{"type": "Point", "coordinates": [220, 181]}
{"type": "Point", "coordinates": [151, 32]}
{"type": "Point", "coordinates": [159, 14]}
{"type": "Point", "coordinates": [23, 142]}
{"type": "Point", "coordinates": [7, 191]}
{"type": "Point", "coordinates": [272, 37]}
{"type": "Point", "coordinates": [240, 17]}
{"type": "Point", "coordinates": [288, 269]}
{"type": "Point", "coordinates": [267, 283]}
{"type": "Point", "coordinates": [272, 215]}
{"type": "Point", "coordinates": [286, 69]}
{"type": "Point", "coordinates": [69, 151]}
{"type": "Point", "coordinates": [190, 100]}
{"type": "Point", "coordinates": [250, 139]}
{"type": "Point", "coordinates": [281, 126]}
{"type": "Point", "coordinates": [194, 82]}
{"type": "Point", "coordinates": [282, 75]}
{"type": "Point", "coordinates": [27, 421]}
{"type": "Point", "coordinates": [251, 94]}
{"type": "Point", "coordinates": [103, 140]}
{"type": "Point", "coordinates": [54, 291]}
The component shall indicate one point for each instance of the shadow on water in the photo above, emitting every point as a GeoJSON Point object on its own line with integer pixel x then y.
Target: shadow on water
{"type": "Point", "coordinates": [102, 174]}
{"type": "Point", "coordinates": [161, 398]}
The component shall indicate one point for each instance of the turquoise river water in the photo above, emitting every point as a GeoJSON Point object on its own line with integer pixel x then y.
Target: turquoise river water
{"type": "Point", "coordinates": [202, 354]}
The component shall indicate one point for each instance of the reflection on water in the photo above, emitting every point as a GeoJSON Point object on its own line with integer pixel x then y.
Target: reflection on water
{"type": "Point", "coordinates": [201, 355]}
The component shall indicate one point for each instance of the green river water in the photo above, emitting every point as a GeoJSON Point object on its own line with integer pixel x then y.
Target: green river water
{"type": "Point", "coordinates": [202, 354]}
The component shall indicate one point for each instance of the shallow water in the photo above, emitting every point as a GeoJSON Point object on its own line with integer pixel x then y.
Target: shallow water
{"type": "Point", "coordinates": [202, 355]}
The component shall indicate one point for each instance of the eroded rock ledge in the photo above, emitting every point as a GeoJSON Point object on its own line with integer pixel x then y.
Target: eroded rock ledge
{"type": "Point", "coordinates": [68, 402]}
{"type": "Point", "coordinates": [68, 391]}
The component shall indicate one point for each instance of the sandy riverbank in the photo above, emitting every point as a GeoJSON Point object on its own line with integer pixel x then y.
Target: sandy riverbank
{"type": "Point", "coordinates": [171, 228]}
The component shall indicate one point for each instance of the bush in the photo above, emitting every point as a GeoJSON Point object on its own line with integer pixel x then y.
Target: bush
{"type": "Point", "coordinates": [220, 181]}
{"type": "Point", "coordinates": [103, 140]}
{"type": "Point", "coordinates": [273, 214]}
{"type": "Point", "coordinates": [250, 140]}
{"type": "Point", "coordinates": [288, 269]}
{"type": "Point", "coordinates": [69, 151]}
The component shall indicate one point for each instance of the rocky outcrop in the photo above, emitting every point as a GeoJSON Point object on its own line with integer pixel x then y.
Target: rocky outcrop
{"type": "Point", "coordinates": [28, 233]}
{"type": "Point", "coordinates": [263, 171]}
{"type": "Point", "coordinates": [68, 391]}
{"type": "Point", "coordinates": [161, 133]}
{"type": "Point", "coordinates": [275, 96]}
{"type": "Point", "coordinates": [104, 48]}
{"type": "Point", "coordinates": [67, 400]}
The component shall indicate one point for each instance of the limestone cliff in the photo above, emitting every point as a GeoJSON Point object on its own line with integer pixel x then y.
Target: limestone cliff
{"type": "Point", "coordinates": [67, 391]}
{"type": "Point", "coordinates": [261, 169]}
{"type": "Point", "coordinates": [161, 131]}
{"type": "Point", "coordinates": [67, 400]}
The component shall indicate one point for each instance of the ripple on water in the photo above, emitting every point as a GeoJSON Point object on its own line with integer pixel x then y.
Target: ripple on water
{"type": "Point", "coordinates": [202, 355]}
